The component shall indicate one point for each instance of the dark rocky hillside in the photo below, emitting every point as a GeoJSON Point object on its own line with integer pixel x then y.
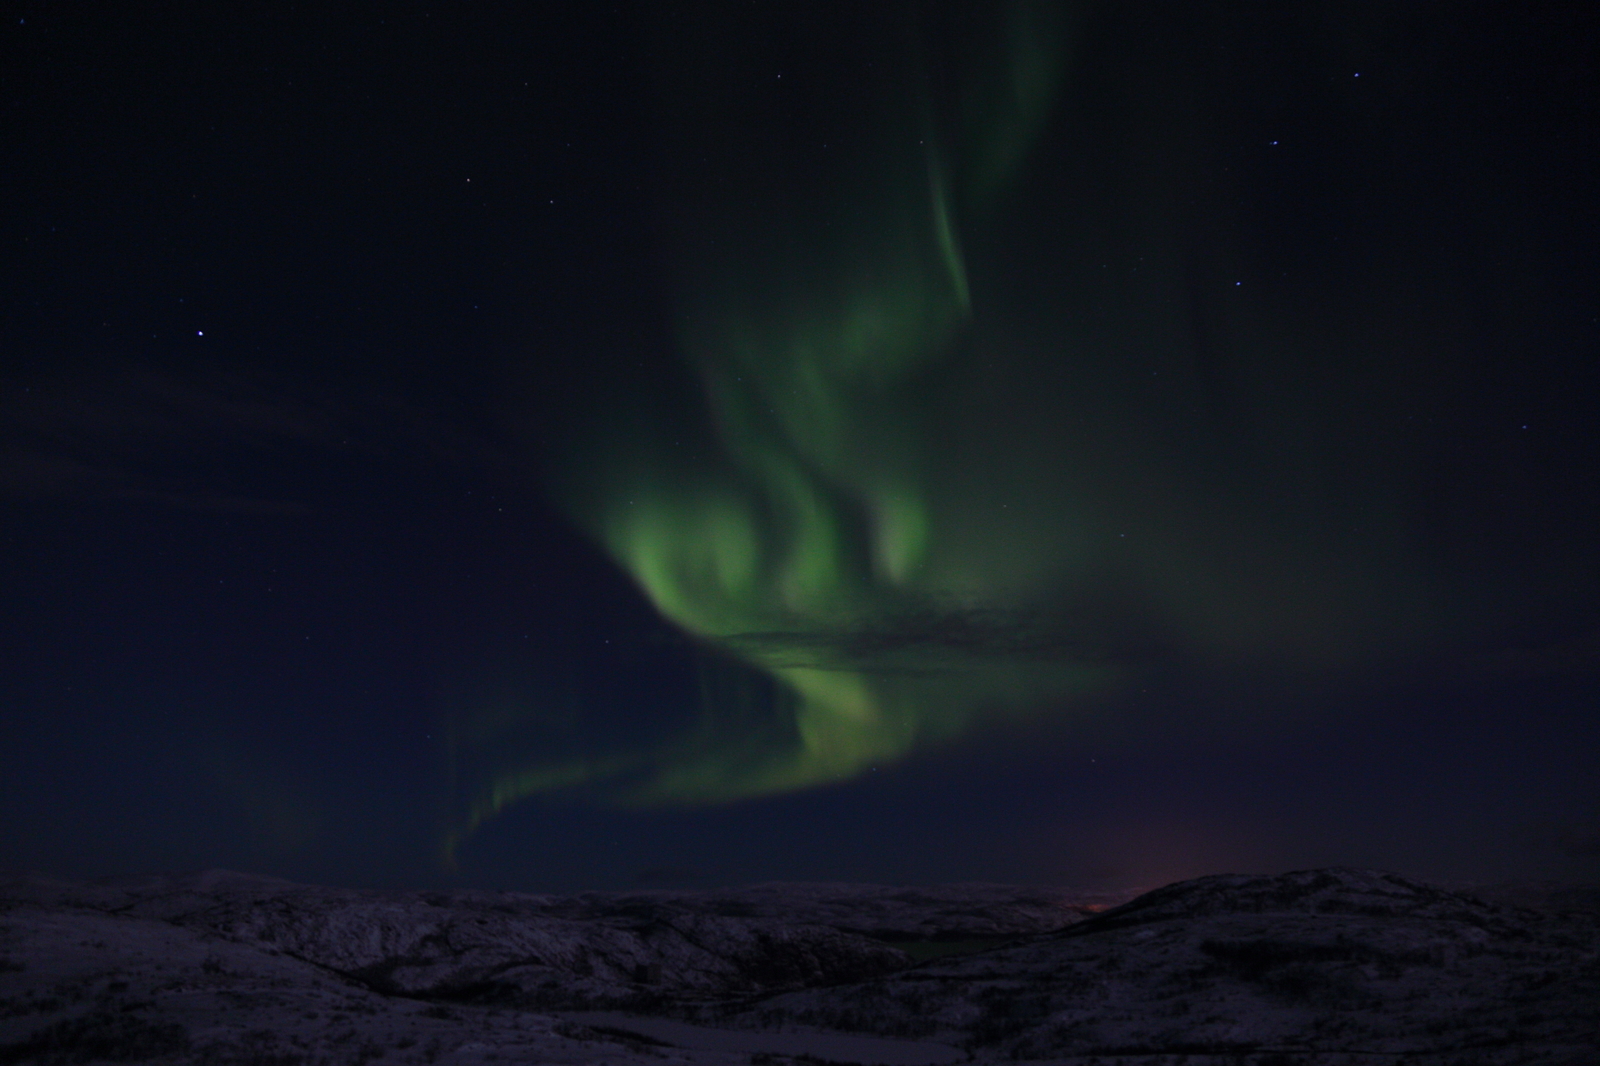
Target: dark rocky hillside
{"type": "Point", "coordinates": [1325, 966]}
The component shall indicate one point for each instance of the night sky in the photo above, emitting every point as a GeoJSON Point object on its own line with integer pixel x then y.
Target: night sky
{"type": "Point", "coordinates": [563, 445]}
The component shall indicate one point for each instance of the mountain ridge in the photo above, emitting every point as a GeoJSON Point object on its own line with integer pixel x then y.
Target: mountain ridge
{"type": "Point", "coordinates": [220, 966]}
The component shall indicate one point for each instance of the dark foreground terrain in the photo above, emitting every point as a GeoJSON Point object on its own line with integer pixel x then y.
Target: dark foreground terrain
{"type": "Point", "coordinates": [1320, 967]}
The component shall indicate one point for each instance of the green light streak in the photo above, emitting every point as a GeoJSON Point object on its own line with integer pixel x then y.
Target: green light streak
{"type": "Point", "coordinates": [809, 533]}
{"type": "Point", "coordinates": [979, 420]}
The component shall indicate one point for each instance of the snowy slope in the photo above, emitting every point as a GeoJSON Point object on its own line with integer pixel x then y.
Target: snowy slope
{"type": "Point", "coordinates": [1326, 967]}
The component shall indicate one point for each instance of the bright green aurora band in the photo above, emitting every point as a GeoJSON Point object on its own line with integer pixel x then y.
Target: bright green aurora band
{"type": "Point", "coordinates": [818, 523]}
{"type": "Point", "coordinates": [932, 490]}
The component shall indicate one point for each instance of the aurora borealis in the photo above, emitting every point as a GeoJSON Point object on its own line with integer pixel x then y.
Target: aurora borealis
{"type": "Point", "coordinates": [822, 303]}
{"type": "Point", "coordinates": [999, 440]}
{"type": "Point", "coordinates": [874, 498]}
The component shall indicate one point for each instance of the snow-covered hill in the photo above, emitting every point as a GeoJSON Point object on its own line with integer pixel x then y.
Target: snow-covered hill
{"type": "Point", "coordinates": [1328, 966]}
